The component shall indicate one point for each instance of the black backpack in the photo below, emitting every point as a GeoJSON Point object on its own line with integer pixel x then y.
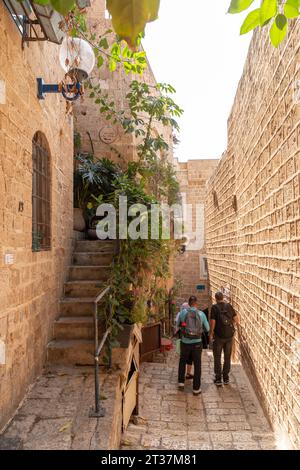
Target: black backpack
{"type": "Point", "coordinates": [225, 326]}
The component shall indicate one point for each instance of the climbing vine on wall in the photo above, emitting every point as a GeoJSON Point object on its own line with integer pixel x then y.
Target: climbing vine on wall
{"type": "Point", "coordinates": [142, 266]}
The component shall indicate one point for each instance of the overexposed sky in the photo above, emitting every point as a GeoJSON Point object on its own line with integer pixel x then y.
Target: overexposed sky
{"type": "Point", "coordinates": [196, 46]}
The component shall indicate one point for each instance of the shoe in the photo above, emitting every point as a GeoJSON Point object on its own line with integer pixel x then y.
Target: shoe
{"type": "Point", "coordinates": [197, 392]}
{"type": "Point", "coordinates": [189, 376]}
{"type": "Point", "coordinates": [180, 386]}
{"type": "Point", "coordinates": [218, 382]}
{"type": "Point", "coordinates": [226, 381]}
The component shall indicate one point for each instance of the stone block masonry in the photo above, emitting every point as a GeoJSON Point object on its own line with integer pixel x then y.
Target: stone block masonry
{"type": "Point", "coordinates": [108, 139]}
{"type": "Point", "coordinates": [253, 226]}
{"type": "Point", "coordinates": [189, 267]}
{"type": "Point", "coordinates": [31, 286]}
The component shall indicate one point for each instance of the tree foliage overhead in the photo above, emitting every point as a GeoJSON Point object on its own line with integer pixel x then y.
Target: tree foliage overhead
{"type": "Point", "coordinates": [273, 13]}
{"type": "Point", "coordinates": [129, 17]}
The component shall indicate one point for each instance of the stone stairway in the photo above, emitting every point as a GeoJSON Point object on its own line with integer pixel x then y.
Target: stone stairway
{"type": "Point", "coordinates": [73, 341]}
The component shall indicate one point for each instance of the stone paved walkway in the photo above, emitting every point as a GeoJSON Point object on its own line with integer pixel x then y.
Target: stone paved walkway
{"type": "Point", "coordinates": [55, 413]}
{"type": "Point", "coordinates": [221, 418]}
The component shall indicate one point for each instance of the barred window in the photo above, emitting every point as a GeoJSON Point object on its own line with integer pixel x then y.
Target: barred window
{"type": "Point", "coordinates": [41, 194]}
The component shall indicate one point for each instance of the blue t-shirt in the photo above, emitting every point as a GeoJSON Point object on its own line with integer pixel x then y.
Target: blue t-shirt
{"type": "Point", "coordinates": [202, 317]}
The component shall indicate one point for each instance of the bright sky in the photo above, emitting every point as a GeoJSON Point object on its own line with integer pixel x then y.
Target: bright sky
{"type": "Point", "coordinates": [196, 46]}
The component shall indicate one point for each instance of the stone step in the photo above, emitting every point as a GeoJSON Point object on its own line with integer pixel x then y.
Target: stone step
{"type": "Point", "coordinates": [89, 273]}
{"type": "Point", "coordinates": [75, 351]}
{"type": "Point", "coordinates": [83, 288]}
{"type": "Point", "coordinates": [74, 328]}
{"type": "Point", "coordinates": [77, 307]}
{"type": "Point", "coordinates": [94, 246]}
{"type": "Point", "coordinates": [93, 258]}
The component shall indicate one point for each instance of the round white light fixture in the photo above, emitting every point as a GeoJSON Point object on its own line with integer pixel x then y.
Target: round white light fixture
{"type": "Point", "coordinates": [77, 58]}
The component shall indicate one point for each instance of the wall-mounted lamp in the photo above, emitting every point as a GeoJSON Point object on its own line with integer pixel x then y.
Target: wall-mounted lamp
{"type": "Point", "coordinates": [77, 58]}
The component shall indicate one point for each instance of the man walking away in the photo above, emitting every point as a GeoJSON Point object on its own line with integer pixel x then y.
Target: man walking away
{"type": "Point", "coordinates": [222, 328]}
{"type": "Point", "coordinates": [192, 323]}
{"type": "Point", "coordinates": [189, 375]}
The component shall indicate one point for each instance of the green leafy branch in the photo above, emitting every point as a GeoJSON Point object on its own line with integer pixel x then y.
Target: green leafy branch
{"type": "Point", "coordinates": [129, 17]}
{"type": "Point", "coordinates": [142, 266]}
{"type": "Point", "coordinates": [150, 109]}
{"type": "Point", "coordinates": [108, 49]}
{"type": "Point", "coordinates": [273, 13]}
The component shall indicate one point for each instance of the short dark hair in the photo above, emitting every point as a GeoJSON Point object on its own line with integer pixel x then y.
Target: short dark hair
{"type": "Point", "coordinates": [219, 296]}
{"type": "Point", "coordinates": [192, 300]}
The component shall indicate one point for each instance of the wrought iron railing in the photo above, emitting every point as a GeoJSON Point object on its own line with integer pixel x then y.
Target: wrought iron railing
{"type": "Point", "coordinates": [99, 410]}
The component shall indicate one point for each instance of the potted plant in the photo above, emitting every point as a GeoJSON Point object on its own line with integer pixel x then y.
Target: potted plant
{"type": "Point", "coordinates": [91, 176]}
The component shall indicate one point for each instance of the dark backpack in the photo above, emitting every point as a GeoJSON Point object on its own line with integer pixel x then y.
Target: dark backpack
{"type": "Point", "coordinates": [225, 326]}
{"type": "Point", "coordinates": [193, 328]}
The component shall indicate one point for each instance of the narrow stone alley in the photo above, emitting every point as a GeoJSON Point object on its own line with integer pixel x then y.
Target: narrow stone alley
{"type": "Point", "coordinates": [55, 413]}
{"type": "Point", "coordinates": [227, 418]}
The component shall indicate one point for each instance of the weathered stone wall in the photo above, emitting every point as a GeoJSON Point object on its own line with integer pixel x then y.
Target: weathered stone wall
{"type": "Point", "coordinates": [253, 241]}
{"type": "Point", "coordinates": [31, 286]}
{"type": "Point", "coordinates": [92, 125]}
{"type": "Point", "coordinates": [189, 266]}
{"type": "Point", "coordinates": [88, 118]}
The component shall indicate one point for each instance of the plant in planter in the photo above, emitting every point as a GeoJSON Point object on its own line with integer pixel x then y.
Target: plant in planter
{"type": "Point", "coordinates": [92, 218]}
{"type": "Point", "coordinates": [91, 176]}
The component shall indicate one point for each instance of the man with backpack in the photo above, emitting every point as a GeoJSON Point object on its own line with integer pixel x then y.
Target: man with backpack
{"type": "Point", "coordinates": [189, 364]}
{"type": "Point", "coordinates": [222, 328]}
{"type": "Point", "coordinates": [192, 323]}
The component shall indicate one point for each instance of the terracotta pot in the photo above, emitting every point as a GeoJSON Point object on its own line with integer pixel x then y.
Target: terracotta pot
{"type": "Point", "coordinates": [92, 234]}
{"type": "Point", "coordinates": [78, 220]}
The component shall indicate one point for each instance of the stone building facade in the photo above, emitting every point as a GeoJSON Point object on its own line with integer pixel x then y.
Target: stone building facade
{"type": "Point", "coordinates": [30, 281]}
{"type": "Point", "coordinates": [108, 139]}
{"type": "Point", "coordinates": [253, 226]}
{"type": "Point", "coordinates": [190, 267]}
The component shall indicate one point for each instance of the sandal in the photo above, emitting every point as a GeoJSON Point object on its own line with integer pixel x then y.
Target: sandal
{"type": "Point", "coordinates": [189, 376]}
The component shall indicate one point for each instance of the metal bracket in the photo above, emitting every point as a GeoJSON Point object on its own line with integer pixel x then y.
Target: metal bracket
{"type": "Point", "coordinates": [43, 88]}
{"type": "Point", "coordinates": [97, 414]}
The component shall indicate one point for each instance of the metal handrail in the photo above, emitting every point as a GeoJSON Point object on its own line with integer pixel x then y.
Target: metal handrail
{"type": "Point", "coordinates": [99, 410]}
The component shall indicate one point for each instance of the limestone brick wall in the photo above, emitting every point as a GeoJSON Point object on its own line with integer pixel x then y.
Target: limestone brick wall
{"type": "Point", "coordinates": [88, 118]}
{"type": "Point", "coordinates": [192, 177]}
{"type": "Point", "coordinates": [253, 226]}
{"type": "Point", "coordinates": [30, 287]}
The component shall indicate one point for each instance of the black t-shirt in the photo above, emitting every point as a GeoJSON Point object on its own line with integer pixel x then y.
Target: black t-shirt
{"type": "Point", "coordinates": [215, 315]}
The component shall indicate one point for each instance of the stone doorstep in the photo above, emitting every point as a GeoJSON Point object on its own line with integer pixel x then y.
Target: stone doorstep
{"type": "Point", "coordinates": [89, 273]}
{"type": "Point", "coordinates": [73, 328]}
{"type": "Point", "coordinates": [80, 352]}
{"type": "Point", "coordinates": [77, 306]}
{"type": "Point", "coordinates": [92, 259]}
{"type": "Point", "coordinates": [83, 288]}
{"type": "Point", "coordinates": [94, 246]}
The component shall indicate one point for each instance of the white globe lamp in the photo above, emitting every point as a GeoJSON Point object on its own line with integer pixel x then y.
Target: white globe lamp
{"type": "Point", "coordinates": [77, 58]}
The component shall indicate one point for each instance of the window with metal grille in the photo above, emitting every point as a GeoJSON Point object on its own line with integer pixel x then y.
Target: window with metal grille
{"type": "Point", "coordinates": [41, 194]}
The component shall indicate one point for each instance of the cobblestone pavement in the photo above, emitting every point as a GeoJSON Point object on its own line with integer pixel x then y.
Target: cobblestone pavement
{"type": "Point", "coordinates": [220, 419]}
{"type": "Point", "coordinates": [55, 413]}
